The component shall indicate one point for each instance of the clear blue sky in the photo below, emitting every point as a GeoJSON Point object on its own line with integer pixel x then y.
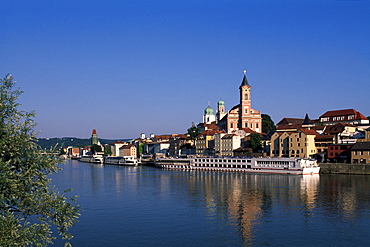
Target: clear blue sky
{"type": "Point", "coordinates": [131, 67]}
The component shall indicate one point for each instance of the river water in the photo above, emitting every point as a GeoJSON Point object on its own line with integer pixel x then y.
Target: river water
{"type": "Point", "coordinates": [147, 206]}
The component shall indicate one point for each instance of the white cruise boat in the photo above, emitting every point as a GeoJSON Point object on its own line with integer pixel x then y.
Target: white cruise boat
{"type": "Point", "coordinates": [235, 164]}
{"type": "Point", "coordinates": [121, 160]}
{"type": "Point", "coordinates": [92, 159]}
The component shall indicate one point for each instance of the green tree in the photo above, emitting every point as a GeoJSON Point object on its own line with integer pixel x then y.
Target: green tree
{"type": "Point", "coordinates": [95, 148]}
{"type": "Point", "coordinates": [141, 148]}
{"type": "Point", "coordinates": [256, 143]}
{"type": "Point", "coordinates": [193, 132]}
{"type": "Point", "coordinates": [107, 150]}
{"type": "Point", "coordinates": [29, 205]}
{"type": "Point", "coordinates": [267, 124]}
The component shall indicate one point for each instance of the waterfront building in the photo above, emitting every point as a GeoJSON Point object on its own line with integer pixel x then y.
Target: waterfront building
{"type": "Point", "coordinates": [159, 149]}
{"type": "Point", "coordinates": [322, 142]}
{"type": "Point", "coordinates": [279, 144]}
{"type": "Point", "coordinates": [241, 115]}
{"type": "Point", "coordinates": [299, 144]}
{"type": "Point", "coordinates": [302, 143]}
{"type": "Point", "coordinates": [73, 152]}
{"type": "Point", "coordinates": [127, 150]}
{"type": "Point", "coordinates": [339, 153]}
{"type": "Point", "coordinates": [179, 144]}
{"type": "Point", "coordinates": [115, 146]}
{"type": "Point", "coordinates": [225, 144]}
{"type": "Point", "coordinates": [360, 152]}
{"type": "Point", "coordinates": [204, 143]}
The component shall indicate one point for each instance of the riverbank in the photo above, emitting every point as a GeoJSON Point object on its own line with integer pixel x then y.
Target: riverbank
{"type": "Point", "coordinates": [338, 168]}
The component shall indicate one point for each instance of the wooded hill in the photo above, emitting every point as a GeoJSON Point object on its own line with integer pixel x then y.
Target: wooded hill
{"type": "Point", "coordinates": [71, 141]}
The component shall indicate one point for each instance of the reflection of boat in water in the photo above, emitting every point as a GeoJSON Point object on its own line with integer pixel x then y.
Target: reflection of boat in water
{"type": "Point", "coordinates": [92, 159]}
{"type": "Point", "coordinates": [121, 160]}
{"type": "Point", "coordinates": [242, 164]}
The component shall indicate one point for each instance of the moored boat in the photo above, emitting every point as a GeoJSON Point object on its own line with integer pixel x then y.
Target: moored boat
{"type": "Point", "coordinates": [92, 159]}
{"type": "Point", "coordinates": [235, 164]}
{"type": "Point", "coordinates": [121, 160]}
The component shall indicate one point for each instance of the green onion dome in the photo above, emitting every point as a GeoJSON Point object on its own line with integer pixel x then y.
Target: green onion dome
{"type": "Point", "coordinates": [220, 102]}
{"type": "Point", "coordinates": [208, 111]}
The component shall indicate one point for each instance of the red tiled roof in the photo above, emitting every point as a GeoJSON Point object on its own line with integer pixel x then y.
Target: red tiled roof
{"type": "Point", "coordinates": [127, 146]}
{"type": "Point", "coordinates": [228, 136]}
{"type": "Point", "coordinates": [286, 126]}
{"type": "Point", "coordinates": [118, 142]}
{"type": "Point", "coordinates": [336, 128]}
{"type": "Point", "coordinates": [345, 112]}
{"type": "Point", "coordinates": [324, 137]}
{"type": "Point", "coordinates": [248, 130]}
{"type": "Point", "coordinates": [210, 132]}
{"type": "Point", "coordinates": [286, 121]}
{"type": "Point", "coordinates": [308, 131]}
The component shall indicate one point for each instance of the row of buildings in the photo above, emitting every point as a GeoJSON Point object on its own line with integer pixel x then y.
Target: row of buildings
{"type": "Point", "coordinates": [336, 136]}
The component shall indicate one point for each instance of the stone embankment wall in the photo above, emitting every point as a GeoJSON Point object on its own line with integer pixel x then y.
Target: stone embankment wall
{"type": "Point", "coordinates": [334, 168]}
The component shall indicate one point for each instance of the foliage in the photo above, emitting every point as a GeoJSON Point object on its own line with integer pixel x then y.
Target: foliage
{"type": "Point", "coordinates": [267, 124]}
{"type": "Point", "coordinates": [256, 143]}
{"type": "Point", "coordinates": [95, 148]}
{"type": "Point", "coordinates": [107, 150]}
{"type": "Point", "coordinates": [29, 205]}
{"type": "Point", "coordinates": [141, 148]}
{"type": "Point", "coordinates": [62, 151]}
{"type": "Point", "coordinates": [193, 132]}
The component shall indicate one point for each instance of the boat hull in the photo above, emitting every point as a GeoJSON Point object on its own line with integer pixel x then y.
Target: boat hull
{"type": "Point", "coordinates": [252, 165]}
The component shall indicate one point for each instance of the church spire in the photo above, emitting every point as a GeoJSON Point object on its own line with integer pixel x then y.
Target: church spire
{"type": "Point", "coordinates": [244, 81]}
{"type": "Point", "coordinates": [306, 120]}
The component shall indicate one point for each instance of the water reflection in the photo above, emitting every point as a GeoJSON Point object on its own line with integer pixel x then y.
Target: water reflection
{"type": "Point", "coordinates": [215, 208]}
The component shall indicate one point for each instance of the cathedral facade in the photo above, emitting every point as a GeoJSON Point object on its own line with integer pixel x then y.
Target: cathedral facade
{"type": "Point", "coordinates": [241, 116]}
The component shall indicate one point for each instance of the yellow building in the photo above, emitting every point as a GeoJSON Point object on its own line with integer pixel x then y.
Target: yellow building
{"type": "Point", "coordinates": [204, 143]}
{"type": "Point", "coordinates": [302, 143]}
{"type": "Point", "coordinates": [280, 144]}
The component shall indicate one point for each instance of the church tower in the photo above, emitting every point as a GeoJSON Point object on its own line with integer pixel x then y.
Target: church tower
{"type": "Point", "coordinates": [209, 115]}
{"type": "Point", "coordinates": [94, 138]}
{"type": "Point", "coordinates": [245, 102]}
{"type": "Point", "coordinates": [220, 110]}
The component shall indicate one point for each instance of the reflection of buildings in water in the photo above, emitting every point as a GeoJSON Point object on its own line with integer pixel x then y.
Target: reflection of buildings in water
{"type": "Point", "coordinates": [125, 177]}
{"type": "Point", "coordinates": [309, 190]}
{"type": "Point", "coordinates": [244, 206]}
{"type": "Point", "coordinates": [245, 197]}
{"type": "Point", "coordinates": [231, 196]}
{"type": "Point", "coordinates": [349, 204]}
{"type": "Point", "coordinates": [343, 194]}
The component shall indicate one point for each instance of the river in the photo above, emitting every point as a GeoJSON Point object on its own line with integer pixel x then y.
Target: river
{"type": "Point", "coordinates": [147, 206]}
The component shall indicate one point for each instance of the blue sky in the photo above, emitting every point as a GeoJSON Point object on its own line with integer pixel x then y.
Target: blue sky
{"type": "Point", "coordinates": [131, 67]}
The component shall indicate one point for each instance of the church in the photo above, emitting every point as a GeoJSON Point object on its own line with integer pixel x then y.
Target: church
{"type": "Point", "coordinates": [241, 116]}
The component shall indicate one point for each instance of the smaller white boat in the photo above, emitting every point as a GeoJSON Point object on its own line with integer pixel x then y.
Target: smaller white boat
{"type": "Point", "coordinates": [121, 160]}
{"type": "Point", "coordinates": [129, 161]}
{"type": "Point", "coordinates": [98, 159]}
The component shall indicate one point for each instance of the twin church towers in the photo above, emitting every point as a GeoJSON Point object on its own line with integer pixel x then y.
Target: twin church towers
{"type": "Point", "coordinates": [241, 116]}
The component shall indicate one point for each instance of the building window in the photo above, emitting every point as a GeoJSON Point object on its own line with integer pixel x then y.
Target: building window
{"type": "Point", "coordinates": [246, 125]}
{"type": "Point", "coordinates": [257, 125]}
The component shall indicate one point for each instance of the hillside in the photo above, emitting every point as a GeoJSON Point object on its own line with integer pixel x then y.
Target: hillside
{"type": "Point", "coordinates": [71, 141]}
